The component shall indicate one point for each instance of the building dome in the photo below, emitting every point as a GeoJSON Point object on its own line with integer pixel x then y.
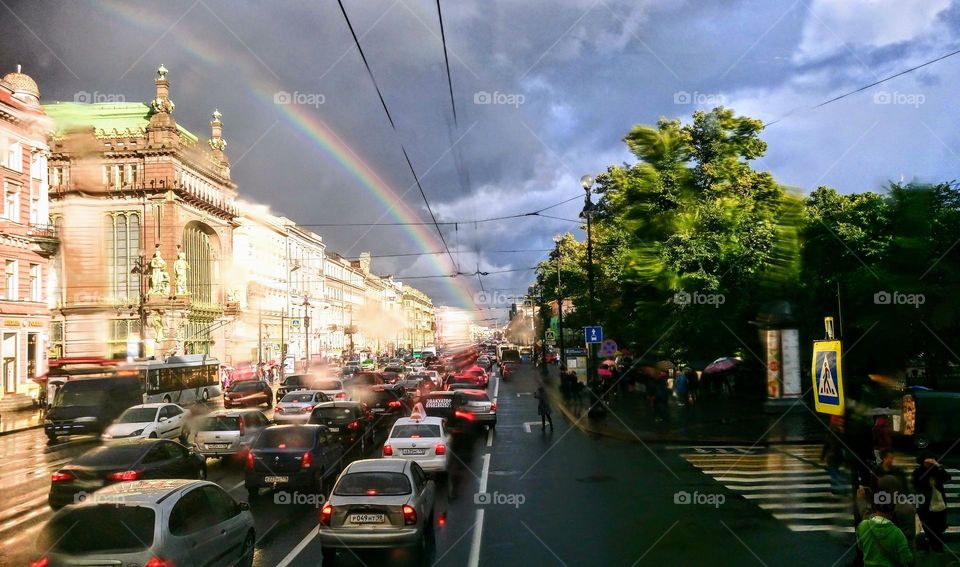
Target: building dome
{"type": "Point", "coordinates": [24, 87]}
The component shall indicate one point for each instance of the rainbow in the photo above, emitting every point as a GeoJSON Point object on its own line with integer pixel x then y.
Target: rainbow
{"type": "Point", "coordinates": [324, 139]}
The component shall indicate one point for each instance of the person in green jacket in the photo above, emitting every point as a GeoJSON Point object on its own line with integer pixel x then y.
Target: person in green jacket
{"type": "Point", "coordinates": [881, 541]}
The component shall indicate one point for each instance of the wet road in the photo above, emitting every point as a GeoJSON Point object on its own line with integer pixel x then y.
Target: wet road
{"type": "Point", "coordinates": [519, 496]}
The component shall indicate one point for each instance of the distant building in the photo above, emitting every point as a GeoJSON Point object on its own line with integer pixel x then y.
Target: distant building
{"type": "Point", "coordinates": [420, 316]}
{"type": "Point", "coordinates": [127, 182]}
{"type": "Point", "coordinates": [26, 239]}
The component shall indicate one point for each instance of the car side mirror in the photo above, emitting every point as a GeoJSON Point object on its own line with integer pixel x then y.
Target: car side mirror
{"type": "Point", "coordinates": [163, 418]}
{"type": "Point", "coordinates": [244, 506]}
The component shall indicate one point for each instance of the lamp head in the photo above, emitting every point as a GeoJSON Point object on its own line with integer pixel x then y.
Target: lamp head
{"type": "Point", "coordinates": [586, 182]}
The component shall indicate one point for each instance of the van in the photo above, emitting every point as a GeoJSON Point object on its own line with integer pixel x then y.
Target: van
{"type": "Point", "coordinates": [86, 406]}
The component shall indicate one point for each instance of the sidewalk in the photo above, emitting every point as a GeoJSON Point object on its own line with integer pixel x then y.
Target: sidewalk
{"type": "Point", "coordinates": [14, 421]}
{"type": "Point", "coordinates": [710, 421]}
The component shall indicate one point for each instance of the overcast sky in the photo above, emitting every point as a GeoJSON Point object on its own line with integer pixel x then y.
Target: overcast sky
{"type": "Point", "coordinates": [544, 91]}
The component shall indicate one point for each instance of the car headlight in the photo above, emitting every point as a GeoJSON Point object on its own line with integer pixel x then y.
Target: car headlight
{"type": "Point", "coordinates": [47, 422]}
{"type": "Point", "coordinates": [137, 432]}
{"type": "Point", "coordinates": [86, 419]}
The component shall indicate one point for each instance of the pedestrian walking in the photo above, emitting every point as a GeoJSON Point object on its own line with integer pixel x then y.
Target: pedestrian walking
{"type": "Point", "coordinates": [881, 542]}
{"type": "Point", "coordinates": [681, 389]}
{"type": "Point", "coordinates": [693, 384]}
{"type": "Point", "coordinates": [543, 408]}
{"type": "Point", "coordinates": [929, 480]}
{"type": "Point", "coordinates": [661, 398]}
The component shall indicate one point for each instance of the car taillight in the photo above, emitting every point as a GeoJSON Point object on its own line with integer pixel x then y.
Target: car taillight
{"type": "Point", "coordinates": [307, 461]}
{"type": "Point", "coordinates": [242, 428]}
{"type": "Point", "coordinates": [393, 404]}
{"type": "Point", "coordinates": [157, 562]}
{"type": "Point", "coordinates": [62, 477]}
{"type": "Point", "coordinates": [340, 396]}
{"type": "Point", "coordinates": [124, 476]}
{"type": "Point", "coordinates": [307, 409]}
{"type": "Point", "coordinates": [354, 425]}
{"type": "Point", "coordinates": [42, 562]}
{"type": "Point", "coordinates": [250, 460]}
{"type": "Point", "coordinates": [463, 415]}
{"type": "Point", "coordinates": [493, 407]}
{"type": "Point", "coordinates": [278, 409]}
{"type": "Point", "coordinates": [326, 514]}
{"type": "Point", "coordinates": [387, 451]}
{"type": "Point", "coordinates": [409, 515]}
{"type": "Point", "coordinates": [440, 449]}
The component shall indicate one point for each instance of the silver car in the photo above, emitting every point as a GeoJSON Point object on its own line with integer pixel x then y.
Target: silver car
{"type": "Point", "coordinates": [297, 406]}
{"type": "Point", "coordinates": [378, 503]}
{"type": "Point", "coordinates": [225, 433]}
{"type": "Point", "coordinates": [151, 522]}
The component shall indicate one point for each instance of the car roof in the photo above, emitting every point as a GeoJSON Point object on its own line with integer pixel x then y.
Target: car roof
{"type": "Point", "coordinates": [378, 465]}
{"type": "Point", "coordinates": [338, 404]}
{"type": "Point", "coordinates": [231, 412]}
{"type": "Point", "coordinates": [141, 491]}
{"type": "Point", "coordinates": [304, 391]}
{"type": "Point", "coordinates": [156, 405]}
{"type": "Point", "coordinates": [429, 420]}
{"type": "Point", "coordinates": [292, 426]}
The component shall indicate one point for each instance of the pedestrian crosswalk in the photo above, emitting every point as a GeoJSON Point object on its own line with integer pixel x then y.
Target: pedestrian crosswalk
{"type": "Point", "coordinates": [791, 484]}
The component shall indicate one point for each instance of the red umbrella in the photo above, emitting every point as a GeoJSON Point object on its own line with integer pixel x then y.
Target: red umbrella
{"type": "Point", "coordinates": [722, 365]}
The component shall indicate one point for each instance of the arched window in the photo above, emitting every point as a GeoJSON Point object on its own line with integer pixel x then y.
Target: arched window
{"type": "Point", "coordinates": [122, 240]}
{"type": "Point", "coordinates": [201, 248]}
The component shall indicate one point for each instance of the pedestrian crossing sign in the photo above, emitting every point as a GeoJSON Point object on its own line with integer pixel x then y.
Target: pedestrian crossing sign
{"type": "Point", "coordinates": [827, 377]}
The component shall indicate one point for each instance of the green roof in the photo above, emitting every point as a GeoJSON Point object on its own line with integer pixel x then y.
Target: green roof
{"type": "Point", "coordinates": [104, 117]}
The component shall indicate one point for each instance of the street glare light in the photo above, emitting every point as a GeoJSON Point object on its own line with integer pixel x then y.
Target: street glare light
{"type": "Point", "coordinates": [586, 182]}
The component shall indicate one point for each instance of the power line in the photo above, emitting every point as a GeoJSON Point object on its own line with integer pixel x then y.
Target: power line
{"type": "Point", "coordinates": [429, 209]}
{"type": "Point", "coordinates": [865, 87]}
{"type": "Point", "coordinates": [446, 60]}
{"type": "Point", "coordinates": [356, 41]}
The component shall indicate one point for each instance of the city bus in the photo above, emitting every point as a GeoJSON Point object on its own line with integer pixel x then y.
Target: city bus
{"type": "Point", "coordinates": [179, 379]}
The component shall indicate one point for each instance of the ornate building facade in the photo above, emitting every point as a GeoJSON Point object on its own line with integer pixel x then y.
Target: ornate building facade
{"type": "Point", "coordinates": [26, 239]}
{"type": "Point", "coordinates": [131, 193]}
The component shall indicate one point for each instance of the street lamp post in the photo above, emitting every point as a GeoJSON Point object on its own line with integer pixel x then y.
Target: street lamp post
{"type": "Point", "coordinates": [306, 325]}
{"type": "Point", "coordinates": [563, 359]}
{"type": "Point", "coordinates": [140, 268]}
{"type": "Point", "coordinates": [587, 183]}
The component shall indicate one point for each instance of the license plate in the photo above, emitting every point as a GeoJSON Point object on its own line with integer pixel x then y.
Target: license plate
{"type": "Point", "coordinates": [276, 479]}
{"type": "Point", "coordinates": [414, 451]}
{"type": "Point", "coordinates": [334, 429]}
{"type": "Point", "coordinates": [218, 445]}
{"type": "Point", "coordinates": [367, 518]}
{"type": "Point", "coordinates": [378, 410]}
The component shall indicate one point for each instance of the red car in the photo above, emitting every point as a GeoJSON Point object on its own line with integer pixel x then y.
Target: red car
{"type": "Point", "coordinates": [248, 393]}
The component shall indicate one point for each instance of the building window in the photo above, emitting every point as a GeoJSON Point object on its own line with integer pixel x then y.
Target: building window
{"type": "Point", "coordinates": [201, 254]}
{"type": "Point", "coordinates": [58, 175]}
{"type": "Point", "coordinates": [11, 280]}
{"type": "Point", "coordinates": [122, 331]}
{"type": "Point", "coordinates": [14, 156]}
{"type": "Point", "coordinates": [122, 236]}
{"type": "Point", "coordinates": [56, 340]}
{"type": "Point", "coordinates": [36, 206]}
{"type": "Point", "coordinates": [11, 202]}
{"type": "Point", "coordinates": [36, 290]}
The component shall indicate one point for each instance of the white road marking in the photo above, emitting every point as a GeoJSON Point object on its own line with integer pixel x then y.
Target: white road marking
{"type": "Point", "coordinates": [490, 437]}
{"type": "Point", "coordinates": [524, 394]}
{"type": "Point", "coordinates": [299, 548]}
{"type": "Point", "coordinates": [527, 424]}
{"type": "Point", "coordinates": [474, 559]}
{"type": "Point", "coordinates": [235, 486]}
{"type": "Point", "coordinates": [496, 387]}
{"type": "Point", "coordinates": [484, 473]}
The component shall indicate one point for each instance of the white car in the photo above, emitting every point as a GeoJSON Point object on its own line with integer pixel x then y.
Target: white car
{"type": "Point", "coordinates": [333, 389]}
{"type": "Point", "coordinates": [420, 438]}
{"type": "Point", "coordinates": [160, 420]}
{"type": "Point", "coordinates": [297, 406]}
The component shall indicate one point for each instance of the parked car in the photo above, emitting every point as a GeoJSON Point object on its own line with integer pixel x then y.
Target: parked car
{"type": "Point", "coordinates": [227, 433]}
{"type": "Point", "coordinates": [151, 421]}
{"type": "Point", "coordinates": [296, 456]}
{"type": "Point", "coordinates": [85, 406]}
{"type": "Point", "coordinates": [378, 503]}
{"type": "Point", "coordinates": [153, 523]}
{"type": "Point", "coordinates": [248, 393]}
{"type": "Point", "coordinates": [351, 423]}
{"type": "Point", "coordinates": [296, 406]}
{"type": "Point", "coordinates": [139, 459]}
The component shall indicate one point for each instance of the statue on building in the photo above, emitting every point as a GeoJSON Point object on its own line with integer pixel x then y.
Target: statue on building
{"type": "Point", "coordinates": [180, 269]}
{"type": "Point", "coordinates": [158, 328]}
{"type": "Point", "coordinates": [159, 278]}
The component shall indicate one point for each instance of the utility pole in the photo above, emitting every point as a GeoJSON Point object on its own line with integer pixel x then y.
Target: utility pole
{"type": "Point", "coordinates": [260, 335]}
{"type": "Point", "coordinates": [563, 358]}
{"type": "Point", "coordinates": [587, 183]}
{"type": "Point", "coordinates": [306, 326]}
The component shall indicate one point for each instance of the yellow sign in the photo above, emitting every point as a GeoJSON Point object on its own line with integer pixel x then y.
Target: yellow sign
{"type": "Point", "coordinates": [35, 323]}
{"type": "Point", "coordinates": [11, 323]}
{"type": "Point", "coordinates": [827, 377]}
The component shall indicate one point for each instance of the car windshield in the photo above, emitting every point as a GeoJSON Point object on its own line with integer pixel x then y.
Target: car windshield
{"type": "Point", "coordinates": [332, 413]}
{"type": "Point", "coordinates": [294, 380]}
{"type": "Point", "coordinates": [373, 484]}
{"type": "Point", "coordinates": [68, 396]}
{"type": "Point", "coordinates": [476, 396]}
{"type": "Point", "coordinates": [297, 397]}
{"type": "Point", "coordinates": [243, 387]}
{"type": "Point", "coordinates": [219, 423]}
{"type": "Point", "coordinates": [102, 529]}
{"type": "Point", "coordinates": [330, 385]}
{"type": "Point", "coordinates": [138, 415]}
{"type": "Point", "coordinates": [415, 430]}
{"type": "Point", "coordinates": [286, 438]}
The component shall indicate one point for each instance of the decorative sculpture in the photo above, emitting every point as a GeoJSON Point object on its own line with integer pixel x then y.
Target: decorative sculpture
{"type": "Point", "coordinates": [180, 269]}
{"type": "Point", "coordinates": [158, 328]}
{"type": "Point", "coordinates": [159, 278]}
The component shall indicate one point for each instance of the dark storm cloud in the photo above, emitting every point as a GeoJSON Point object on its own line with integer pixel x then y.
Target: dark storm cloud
{"type": "Point", "coordinates": [545, 92]}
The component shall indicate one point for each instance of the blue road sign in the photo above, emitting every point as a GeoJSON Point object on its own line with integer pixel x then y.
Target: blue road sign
{"type": "Point", "coordinates": [593, 335]}
{"type": "Point", "coordinates": [827, 377]}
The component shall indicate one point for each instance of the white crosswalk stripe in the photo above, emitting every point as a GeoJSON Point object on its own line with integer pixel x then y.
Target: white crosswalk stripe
{"type": "Point", "coordinates": [789, 482]}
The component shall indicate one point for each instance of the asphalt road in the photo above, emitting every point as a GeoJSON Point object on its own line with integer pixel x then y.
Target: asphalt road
{"type": "Point", "coordinates": [519, 496]}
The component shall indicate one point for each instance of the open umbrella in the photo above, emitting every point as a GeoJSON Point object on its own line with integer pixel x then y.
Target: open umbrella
{"type": "Point", "coordinates": [722, 365]}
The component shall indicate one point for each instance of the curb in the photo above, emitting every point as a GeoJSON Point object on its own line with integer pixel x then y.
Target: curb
{"type": "Point", "coordinates": [28, 428]}
{"type": "Point", "coordinates": [582, 423]}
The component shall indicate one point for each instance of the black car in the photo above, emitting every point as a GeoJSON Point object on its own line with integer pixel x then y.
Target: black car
{"type": "Point", "coordinates": [392, 374]}
{"type": "Point", "coordinates": [130, 460]}
{"type": "Point", "coordinates": [448, 405]}
{"type": "Point", "coordinates": [387, 402]}
{"type": "Point", "coordinates": [294, 382]}
{"type": "Point", "coordinates": [297, 456]}
{"type": "Point", "coordinates": [351, 423]}
{"type": "Point", "coordinates": [89, 405]}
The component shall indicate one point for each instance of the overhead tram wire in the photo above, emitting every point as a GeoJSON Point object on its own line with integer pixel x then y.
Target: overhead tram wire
{"type": "Point", "coordinates": [446, 60]}
{"type": "Point", "coordinates": [416, 178]}
{"type": "Point", "coordinates": [863, 88]}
